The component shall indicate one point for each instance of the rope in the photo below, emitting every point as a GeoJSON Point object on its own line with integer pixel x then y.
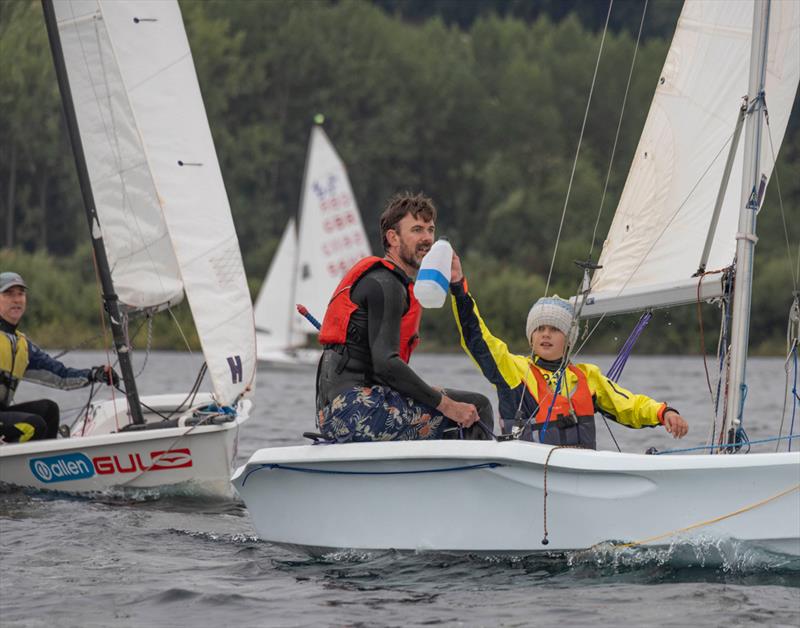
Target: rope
{"type": "Point", "coordinates": [282, 467]}
{"type": "Point", "coordinates": [546, 467]}
{"type": "Point", "coordinates": [736, 445]}
{"type": "Point", "coordinates": [578, 150]}
{"type": "Point", "coordinates": [84, 343]}
{"type": "Point", "coordinates": [149, 344]}
{"type": "Point", "coordinates": [794, 400]}
{"type": "Point", "coordinates": [701, 524]}
{"type": "Point", "coordinates": [543, 431]}
{"type": "Point", "coordinates": [105, 340]}
{"type": "Point", "coordinates": [723, 358]}
{"type": "Point", "coordinates": [699, 303]}
{"type": "Point", "coordinates": [615, 371]}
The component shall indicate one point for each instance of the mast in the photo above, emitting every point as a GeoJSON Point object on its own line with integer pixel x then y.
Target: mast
{"type": "Point", "coordinates": [110, 299]}
{"type": "Point", "coordinates": [746, 236]}
{"type": "Point", "coordinates": [318, 119]}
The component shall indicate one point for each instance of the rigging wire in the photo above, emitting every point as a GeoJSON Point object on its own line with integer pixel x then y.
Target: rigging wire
{"type": "Point", "coordinates": [780, 203]}
{"type": "Point", "coordinates": [180, 330]}
{"type": "Point", "coordinates": [792, 342]}
{"type": "Point", "coordinates": [82, 344]}
{"type": "Point", "coordinates": [619, 127]}
{"type": "Point", "coordinates": [578, 149]}
{"type": "Point", "coordinates": [149, 345]}
{"type": "Point", "coordinates": [105, 335]}
{"type": "Point", "coordinates": [793, 323]}
{"type": "Point", "coordinates": [655, 241]}
{"type": "Point", "coordinates": [569, 351]}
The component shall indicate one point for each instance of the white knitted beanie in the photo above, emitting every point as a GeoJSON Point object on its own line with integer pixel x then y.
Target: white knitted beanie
{"type": "Point", "coordinates": [553, 311]}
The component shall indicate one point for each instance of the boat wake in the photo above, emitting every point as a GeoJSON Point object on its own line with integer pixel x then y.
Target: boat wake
{"type": "Point", "coordinates": [704, 560]}
{"type": "Point", "coordinates": [725, 556]}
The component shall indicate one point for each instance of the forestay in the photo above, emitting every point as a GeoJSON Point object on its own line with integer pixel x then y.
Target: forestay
{"type": "Point", "coordinates": [655, 242]}
{"type": "Point", "coordinates": [332, 236]}
{"type": "Point", "coordinates": [161, 199]}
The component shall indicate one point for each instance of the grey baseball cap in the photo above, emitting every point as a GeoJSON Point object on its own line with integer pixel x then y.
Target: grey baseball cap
{"type": "Point", "coordinates": [9, 280]}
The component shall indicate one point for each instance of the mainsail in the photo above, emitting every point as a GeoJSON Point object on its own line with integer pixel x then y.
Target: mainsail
{"type": "Point", "coordinates": [655, 242]}
{"type": "Point", "coordinates": [332, 236]}
{"type": "Point", "coordinates": [161, 201]}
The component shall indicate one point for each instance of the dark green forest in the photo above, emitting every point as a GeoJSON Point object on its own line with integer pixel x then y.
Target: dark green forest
{"type": "Point", "coordinates": [477, 103]}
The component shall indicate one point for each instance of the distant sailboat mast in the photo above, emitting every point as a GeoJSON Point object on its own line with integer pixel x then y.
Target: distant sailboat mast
{"type": "Point", "coordinates": [293, 321]}
{"type": "Point", "coordinates": [110, 298]}
{"type": "Point", "coordinates": [746, 236]}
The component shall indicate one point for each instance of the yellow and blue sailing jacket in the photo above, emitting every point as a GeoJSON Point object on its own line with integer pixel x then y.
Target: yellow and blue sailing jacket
{"type": "Point", "coordinates": [22, 359]}
{"type": "Point", "coordinates": [518, 391]}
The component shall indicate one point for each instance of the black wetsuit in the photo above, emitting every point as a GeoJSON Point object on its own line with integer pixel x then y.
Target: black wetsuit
{"type": "Point", "coordinates": [370, 355]}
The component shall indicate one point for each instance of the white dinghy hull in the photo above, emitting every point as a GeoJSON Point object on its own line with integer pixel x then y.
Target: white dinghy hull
{"type": "Point", "coordinates": [191, 459]}
{"type": "Point", "coordinates": [488, 497]}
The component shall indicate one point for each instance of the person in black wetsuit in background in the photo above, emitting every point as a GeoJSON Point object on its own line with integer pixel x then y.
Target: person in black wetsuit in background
{"type": "Point", "coordinates": [366, 391]}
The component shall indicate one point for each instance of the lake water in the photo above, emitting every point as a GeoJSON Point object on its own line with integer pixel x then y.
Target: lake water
{"type": "Point", "coordinates": [192, 562]}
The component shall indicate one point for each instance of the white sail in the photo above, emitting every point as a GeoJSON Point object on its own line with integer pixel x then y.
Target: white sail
{"type": "Point", "coordinates": [274, 307]}
{"type": "Point", "coordinates": [143, 266]}
{"type": "Point", "coordinates": [135, 54]}
{"type": "Point", "coordinates": [332, 236]}
{"type": "Point", "coordinates": [659, 230]}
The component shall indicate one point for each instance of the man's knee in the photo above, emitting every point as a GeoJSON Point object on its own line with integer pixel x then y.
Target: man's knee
{"type": "Point", "coordinates": [20, 427]}
{"type": "Point", "coordinates": [49, 411]}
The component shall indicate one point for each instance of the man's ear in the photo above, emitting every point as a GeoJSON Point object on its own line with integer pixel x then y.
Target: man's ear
{"type": "Point", "coordinates": [392, 237]}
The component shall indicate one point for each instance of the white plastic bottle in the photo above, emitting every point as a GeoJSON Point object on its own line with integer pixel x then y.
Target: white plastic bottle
{"type": "Point", "coordinates": [433, 278]}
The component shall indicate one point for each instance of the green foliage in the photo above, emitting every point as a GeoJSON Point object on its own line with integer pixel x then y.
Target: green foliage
{"type": "Point", "coordinates": [480, 105]}
{"type": "Point", "coordinates": [65, 310]}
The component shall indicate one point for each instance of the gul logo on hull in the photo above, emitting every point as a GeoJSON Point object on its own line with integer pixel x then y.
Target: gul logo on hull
{"type": "Point", "coordinates": [173, 459]}
{"type": "Point", "coordinates": [62, 468]}
{"type": "Point", "coordinates": [78, 466]}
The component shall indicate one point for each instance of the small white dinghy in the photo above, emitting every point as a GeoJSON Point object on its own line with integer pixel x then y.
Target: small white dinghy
{"type": "Point", "coordinates": [488, 497]}
{"type": "Point", "coordinates": [511, 496]}
{"type": "Point", "coordinates": [193, 457]}
{"type": "Point", "coordinates": [308, 266]}
{"type": "Point", "coordinates": [160, 226]}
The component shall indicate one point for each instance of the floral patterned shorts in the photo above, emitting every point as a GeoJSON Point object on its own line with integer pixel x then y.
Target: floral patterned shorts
{"type": "Point", "coordinates": [379, 413]}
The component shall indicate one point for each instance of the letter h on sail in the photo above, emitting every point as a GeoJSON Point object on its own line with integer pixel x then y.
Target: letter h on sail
{"type": "Point", "coordinates": [235, 364]}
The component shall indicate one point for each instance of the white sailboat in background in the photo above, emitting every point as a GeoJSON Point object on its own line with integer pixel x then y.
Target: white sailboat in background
{"type": "Point", "coordinates": [161, 227]}
{"type": "Point", "coordinates": [437, 495]}
{"type": "Point", "coordinates": [307, 267]}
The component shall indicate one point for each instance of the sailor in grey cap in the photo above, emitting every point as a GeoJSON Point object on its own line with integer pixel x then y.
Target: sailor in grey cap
{"type": "Point", "coordinates": [22, 359]}
{"type": "Point", "coordinates": [9, 280]}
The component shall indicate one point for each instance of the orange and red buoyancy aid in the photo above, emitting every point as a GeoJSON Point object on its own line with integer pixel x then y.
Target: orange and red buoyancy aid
{"type": "Point", "coordinates": [581, 400]}
{"type": "Point", "coordinates": [341, 308]}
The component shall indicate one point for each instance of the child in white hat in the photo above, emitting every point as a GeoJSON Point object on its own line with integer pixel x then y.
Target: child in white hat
{"type": "Point", "coordinates": [540, 397]}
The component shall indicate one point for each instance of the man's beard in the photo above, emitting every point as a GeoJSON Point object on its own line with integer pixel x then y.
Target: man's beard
{"type": "Point", "coordinates": [409, 256]}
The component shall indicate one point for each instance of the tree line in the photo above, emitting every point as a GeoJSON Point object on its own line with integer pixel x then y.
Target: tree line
{"type": "Point", "coordinates": [479, 105]}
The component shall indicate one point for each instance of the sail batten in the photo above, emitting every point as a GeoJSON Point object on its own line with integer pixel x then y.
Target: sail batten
{"type": "Point", "coordinates": [665, 211]}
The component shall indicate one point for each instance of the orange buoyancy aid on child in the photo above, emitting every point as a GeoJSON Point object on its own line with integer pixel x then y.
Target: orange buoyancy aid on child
{"type": "Point", "coordinates": [581, 401]}
{"type": "Point", "coordinates": [341, 308]}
